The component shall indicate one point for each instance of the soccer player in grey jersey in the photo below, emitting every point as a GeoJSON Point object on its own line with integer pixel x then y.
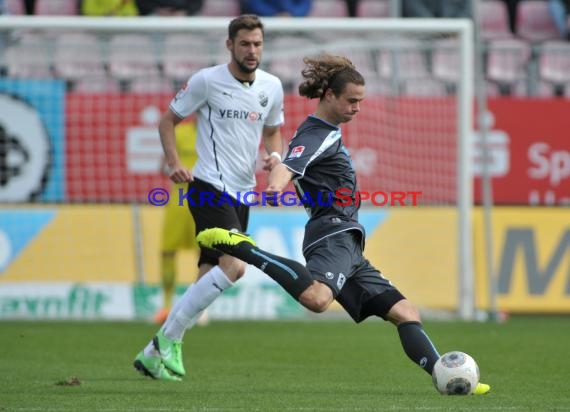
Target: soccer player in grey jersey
{"type": "Point", "coordinates": [237, 106]}
{"type": "Point", "coordinates": [319, 165]}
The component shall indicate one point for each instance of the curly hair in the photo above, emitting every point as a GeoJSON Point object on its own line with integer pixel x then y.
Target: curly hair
{"type": "Point", "coordinates": [327, 71]}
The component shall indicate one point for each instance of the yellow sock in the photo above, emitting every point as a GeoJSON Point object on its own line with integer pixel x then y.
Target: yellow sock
{"type": "Point", "coordinates": [168, 277]}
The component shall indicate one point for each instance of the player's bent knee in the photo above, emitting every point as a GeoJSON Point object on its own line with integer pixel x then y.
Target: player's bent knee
{"type": "Point", "coordinates": [317, 305]}
{"type": "Point", "coordinates": [317, 298]}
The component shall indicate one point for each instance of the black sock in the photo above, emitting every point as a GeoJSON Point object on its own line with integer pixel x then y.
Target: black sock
{"type": "Point", "coordinates": [417, 345]}
{"type": "Point", "coordinates": [291, 275]}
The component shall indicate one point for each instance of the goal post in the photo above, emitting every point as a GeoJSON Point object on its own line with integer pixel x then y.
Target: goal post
{"type": "Point", "coordinates": [414, 131]}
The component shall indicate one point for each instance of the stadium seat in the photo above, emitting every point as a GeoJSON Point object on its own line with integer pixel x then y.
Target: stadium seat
{"type": "Point", "coordinates": [428, 87]}
{"type": "Point", "coordinates": [151, 85]}
{"type": "Point", "coordinates": [283, 61]}
{"type": "Point", "coordinates": [14, 7]}
{"type": "Point", "coordinates": [554, 62]}
{"type": "Point", "coordinates": [493, 19]}
{"type": "Point", "coordinates": [185, 54]}
{"type": "Point", "coordinates": [542, 90]}
{"type": "Point", "coordinates": [131, 56]}
{"type": "Point", "coordinates": [373, 8]}
{"type": "Point", "coordinates": [78, 55]}
{"type": "Point", "coordinates": [358, 47]}
{"type": "Point", "coordinates": [534, 22]}
{"type": "Point", "coordinates": [220, 8]}
{"type": "Point", "coordinates": [104, 84]}
{"type": "Point", "coordinates": [545, 90]}
{"type": "Point", "coordinates": [219, 51]}
{"type": "Point", "coordinates": [507, 60]}
{"type": "Point", "coordinates": [362, 58]}
{"type": "Point", "coordinates": [404, 59]}
{"type": "Point", "coordinates": [445, 60]}
{"type": "Point", "coordinates": [28, 56]}
{"type": "Point", "coordinates": [56, 8]}
{"type": "Point", "coordinates": [328, 8]}
{"type": "Point", "coordinates": [382, 87]}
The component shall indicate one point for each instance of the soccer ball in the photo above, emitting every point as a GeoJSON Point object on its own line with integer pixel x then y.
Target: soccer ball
{"type": "Point", "coordinates": [455, 373]}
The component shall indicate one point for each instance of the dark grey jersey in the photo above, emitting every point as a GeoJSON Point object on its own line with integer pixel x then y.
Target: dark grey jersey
{"type": "Point", "coordinates": [325, 179]}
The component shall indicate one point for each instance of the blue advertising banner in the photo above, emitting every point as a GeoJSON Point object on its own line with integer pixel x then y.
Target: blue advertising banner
{"type": "Point", "coordinates": [33, 137]}
{"type": "Point", "coordinates": [17, 229]}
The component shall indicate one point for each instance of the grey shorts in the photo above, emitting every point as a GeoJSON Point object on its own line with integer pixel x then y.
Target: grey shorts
{"type": "Point", "coordinates": [359, 287]}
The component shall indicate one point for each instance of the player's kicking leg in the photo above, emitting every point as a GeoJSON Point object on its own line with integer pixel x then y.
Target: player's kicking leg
{"type": "Point", "coordinates": [415, 341]}
{"type": "Point", "coordinates": [289, 274]}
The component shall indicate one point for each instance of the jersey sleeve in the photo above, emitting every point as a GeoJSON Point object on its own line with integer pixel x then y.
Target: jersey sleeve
{"type": "Point", "coordinates": [302, 151]}
{"type": "Point", "coordinates": [191, 96]}
{"type": "Point", "coordinates": [276, 116]}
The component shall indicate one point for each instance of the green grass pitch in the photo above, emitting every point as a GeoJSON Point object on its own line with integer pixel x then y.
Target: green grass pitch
{"type": "Point", "coordinates": [319, 365]}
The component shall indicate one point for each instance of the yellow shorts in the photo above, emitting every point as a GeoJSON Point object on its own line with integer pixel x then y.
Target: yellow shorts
{"type": "Point", "coordinates": [178, 228]}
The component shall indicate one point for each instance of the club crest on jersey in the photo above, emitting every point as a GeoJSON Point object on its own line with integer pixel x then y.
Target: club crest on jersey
{"type": "Point", "coordinates": [297, 151]}
{"type": "Point", "coordinates": [263, 99]}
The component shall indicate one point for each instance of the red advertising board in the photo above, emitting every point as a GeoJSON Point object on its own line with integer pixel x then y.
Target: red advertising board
{"type": "Point", "coordinates": [402, 144]}
{"type": "Point", "coordinates": [112, 146]}
{"type": "Point", "coordinates": [399, 144]}
{"type": "Point", "coordinates": [113, 151]}
{"type": "Point", "coordinates": [530, 148]}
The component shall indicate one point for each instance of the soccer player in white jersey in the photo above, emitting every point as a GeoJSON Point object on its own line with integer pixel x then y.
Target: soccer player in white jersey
{"type": "Point", "coordinates": [237, 105]}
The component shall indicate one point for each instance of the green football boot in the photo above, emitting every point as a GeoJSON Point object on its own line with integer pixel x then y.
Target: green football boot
{"type": "Point", "coordinates": [152, 366]}
{"type": "Point", "coordinates": [170, 353]}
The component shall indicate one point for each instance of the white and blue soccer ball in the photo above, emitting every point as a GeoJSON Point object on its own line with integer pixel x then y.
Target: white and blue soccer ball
{"type": "Point", "coordinates": [455, 373]}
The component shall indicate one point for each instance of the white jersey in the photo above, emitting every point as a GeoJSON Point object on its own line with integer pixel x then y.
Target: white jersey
{"type": "Point", "coordinates": [231, 117]}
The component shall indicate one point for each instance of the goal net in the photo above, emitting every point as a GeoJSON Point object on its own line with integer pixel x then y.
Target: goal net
{"type": "Point", "coordinates": [80, 99]}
